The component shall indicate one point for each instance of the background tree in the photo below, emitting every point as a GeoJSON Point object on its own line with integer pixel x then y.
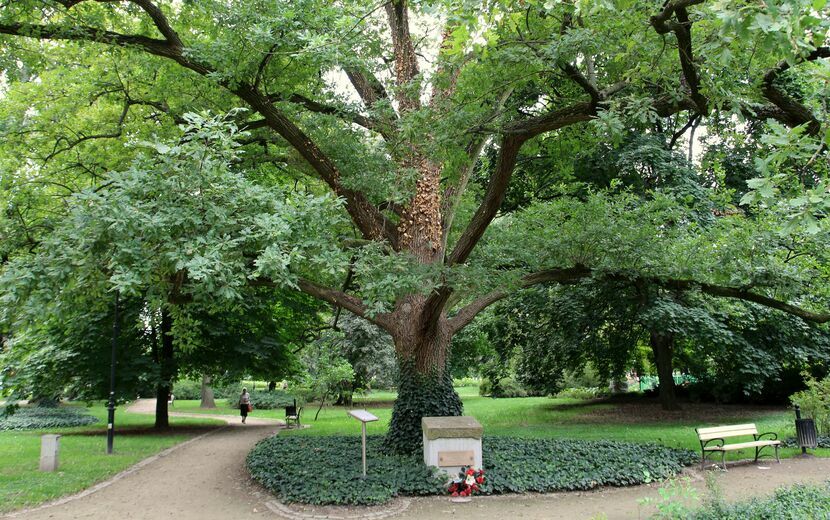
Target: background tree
{"type": "Point", "coordinates": [176, 243]}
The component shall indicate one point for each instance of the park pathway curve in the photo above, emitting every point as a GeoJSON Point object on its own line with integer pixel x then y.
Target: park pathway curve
{"type": "Point", "coordinates": [202, 479]}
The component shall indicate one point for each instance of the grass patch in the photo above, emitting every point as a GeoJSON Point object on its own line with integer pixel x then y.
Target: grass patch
{"type": "Point", "coordinates": [798, 501]}
{"type": "Point", "coordinates": [327, 470]}
{"type": "Point", "coordinates": [638, 420]}
{"type": "Point", "coordinates": [83, 458]}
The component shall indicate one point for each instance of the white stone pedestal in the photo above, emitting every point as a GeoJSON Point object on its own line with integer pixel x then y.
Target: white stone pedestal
{"type": "Point", "coordinates": [49, 447]}
{"type": "Point", "coordinates": [451, 443]}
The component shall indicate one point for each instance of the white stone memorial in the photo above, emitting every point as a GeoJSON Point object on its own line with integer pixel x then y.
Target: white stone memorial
{"type": "Point", "coordinates": [451, 443]}
{"type": "Point", "coordinates": [49, 447]}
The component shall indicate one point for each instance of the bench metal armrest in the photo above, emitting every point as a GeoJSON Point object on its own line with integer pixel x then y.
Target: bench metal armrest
{"type": "Point", "coordinates": [773, 438]}
{"type": "Point", "coordinates": [705, 444]}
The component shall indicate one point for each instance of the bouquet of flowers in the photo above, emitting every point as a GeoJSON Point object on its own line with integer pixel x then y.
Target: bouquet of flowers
{"type": "Point", "coordinates": [466, 483]}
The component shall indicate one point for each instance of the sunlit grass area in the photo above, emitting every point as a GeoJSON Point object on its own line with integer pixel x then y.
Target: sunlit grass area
{"type": "Point", "coordinates": [546, 417]}
{"type": "Point", "coordinates": [83, 458]}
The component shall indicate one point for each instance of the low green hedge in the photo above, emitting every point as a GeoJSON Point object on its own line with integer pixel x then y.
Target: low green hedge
{"type": "Point", "coordinates": [260, 399]}
{"type": "Point", "coordinates": [44, 418]}
{"type": "Point", "coordinates": [795, 502]}
{"type": "Point", "coordinates": [327, 470]}
{"type": "Point", "coordinates": [187, 389]}
{"type": "Point", "coordinates": [823, 441]}
{"type": "Point", "coordinates": [583, 393]}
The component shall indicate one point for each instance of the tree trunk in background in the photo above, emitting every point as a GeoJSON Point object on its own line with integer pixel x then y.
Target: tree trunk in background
{"type": "Point", "coordinates": [167, 371]}
{"type": "Point", "coordinates": [207, 394]}
{"type": "Point", "coordinates": [662, 345]}
{"type": "Point", "coordinates": [424, 382]}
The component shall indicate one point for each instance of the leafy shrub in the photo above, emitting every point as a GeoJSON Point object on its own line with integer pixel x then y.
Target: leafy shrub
{"type": "Point", "coordinates": [260, 399]}
{"type": "Point", "coordinates": [583, 377]}
{"type": "Point", "coordinates": [327, 470]}
{"type": "Point", "coordinates": [465, 381]}
{"type": "Point", "coordinates": [187, 389]}
{"type": "Point", "coordinates": [815, 402]}
{"type": "Point", "coordinates": [43, 418]}
{"type": "Point", "coordinates": [799, 501]}
{"type": "Point", "coordinates": [823, 441]}
{"type": "Point", "coordinates": [583, 393]}
{"type": "Point", "coordinates": [505, 387]}
{"type": "Point", "coordinates": [228, 391]}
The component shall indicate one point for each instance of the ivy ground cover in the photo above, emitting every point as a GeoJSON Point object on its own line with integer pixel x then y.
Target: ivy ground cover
{"type": "Point", "coordinates": [327, 470]}
{"type": "Point", "coordinates": [40, 418]}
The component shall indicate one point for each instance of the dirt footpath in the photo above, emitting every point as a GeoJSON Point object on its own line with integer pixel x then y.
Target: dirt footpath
{"type": "Point", "coordinates": [206, 479]}
{"type": "Point", "coordinates": [738, 483]}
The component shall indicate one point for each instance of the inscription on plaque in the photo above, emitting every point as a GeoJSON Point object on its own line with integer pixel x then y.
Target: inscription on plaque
{"type": "Point", "coordinates": [456, 458]}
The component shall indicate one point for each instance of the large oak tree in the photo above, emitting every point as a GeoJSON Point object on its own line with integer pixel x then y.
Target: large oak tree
{"type": "Point", "coordinates": [390, 105]}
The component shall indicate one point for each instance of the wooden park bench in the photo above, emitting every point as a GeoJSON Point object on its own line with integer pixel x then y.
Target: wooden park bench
{"type": "Point", "coordinates": [713, 440]}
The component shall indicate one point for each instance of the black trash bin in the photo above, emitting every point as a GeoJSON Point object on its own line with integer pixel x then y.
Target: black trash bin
{"type": "Point", "coordinates": [805, 432]}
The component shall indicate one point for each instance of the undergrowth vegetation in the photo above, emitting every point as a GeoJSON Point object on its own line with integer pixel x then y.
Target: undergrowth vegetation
{"type": "Point", "coordinates": [42, 418]}
{"type": "Point", "coordinates": [798, 501]}
{"type": "Point", "coordinates": [327, 470]}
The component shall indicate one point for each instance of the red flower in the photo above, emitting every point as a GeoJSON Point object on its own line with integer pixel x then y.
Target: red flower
{"type": "Point", "coordinates": [471, 471]}
{"type": "Point", "coordinates": [480, 480]}
{"type": "Point", "coordinates": [455, 493]}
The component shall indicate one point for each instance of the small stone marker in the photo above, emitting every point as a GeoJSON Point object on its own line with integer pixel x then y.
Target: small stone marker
{"type": "Point", "coordinates": [363, 416]}
{"type": "Point", "coordinates": [452, 442]}
{"type": "Point", "coordinates": [49, 445]}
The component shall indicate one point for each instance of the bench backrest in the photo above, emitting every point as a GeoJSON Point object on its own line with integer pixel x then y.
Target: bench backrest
{"type": "Point", "coordinates": [721, 432]}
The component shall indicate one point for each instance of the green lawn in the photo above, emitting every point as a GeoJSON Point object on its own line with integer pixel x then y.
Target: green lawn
{"type": "Point", "coordinates": [83, 458]}
{"type": "Point", "coordinates": [547, 417]}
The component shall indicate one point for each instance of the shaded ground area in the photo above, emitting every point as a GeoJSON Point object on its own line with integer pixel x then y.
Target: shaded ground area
{"type": "Point", "coordinates": [642, 411]}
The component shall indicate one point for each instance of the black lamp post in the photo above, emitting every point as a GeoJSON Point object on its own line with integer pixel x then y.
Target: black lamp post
{"type": "Point", "coordinates": [116, 331]}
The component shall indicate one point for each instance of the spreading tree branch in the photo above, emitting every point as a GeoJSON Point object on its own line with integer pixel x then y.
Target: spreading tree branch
{"type": "Point", "coordinates": [792, 113]}
{"type": "Point", "coordinates": [406, 62]}
{"type": "Point", "coordinates": [567, 276]}
{"type": "Point", "coordinates": [368, 219]}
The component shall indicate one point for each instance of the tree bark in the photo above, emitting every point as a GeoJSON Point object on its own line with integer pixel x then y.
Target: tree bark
{"type": "Point", "coordinates": [167, 371]}
{"type": "Point", "coordinates": [207, 393]}
{"type": "Point", "coordinates": [662, 345]}
{"type": "Point", "coordinates": [424, 380]}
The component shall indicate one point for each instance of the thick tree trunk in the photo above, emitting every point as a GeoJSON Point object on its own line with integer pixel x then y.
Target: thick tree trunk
{"type": "Point", "coordinates": [167, 371]}
{"type": "Point", "coordinates": [662, 344]}
{"type": "Point", "coordinates": [424, 381]}
{"type": "Point", "coordinates": [207, 394]}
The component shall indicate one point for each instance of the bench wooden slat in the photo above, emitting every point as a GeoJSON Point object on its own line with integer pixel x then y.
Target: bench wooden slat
{"type": "Point", "coordinates": [719, 432]}
{"type": "Point", "coordinates": [742, 445]}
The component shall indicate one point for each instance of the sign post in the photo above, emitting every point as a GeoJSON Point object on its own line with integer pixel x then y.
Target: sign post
{"type": "Point", "coordinates": [363, 416]}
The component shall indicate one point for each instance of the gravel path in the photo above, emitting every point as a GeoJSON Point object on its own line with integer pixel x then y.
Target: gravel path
{"type": "Point", "coordinates": [205, 479]}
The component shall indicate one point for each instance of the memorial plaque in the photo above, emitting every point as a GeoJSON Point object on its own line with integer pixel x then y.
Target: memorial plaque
{"type": "Point", "coordinates": [456, 458]}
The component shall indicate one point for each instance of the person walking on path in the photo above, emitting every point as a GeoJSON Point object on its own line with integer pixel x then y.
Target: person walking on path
{"type": "Point", "coordinates": [244, 404]}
